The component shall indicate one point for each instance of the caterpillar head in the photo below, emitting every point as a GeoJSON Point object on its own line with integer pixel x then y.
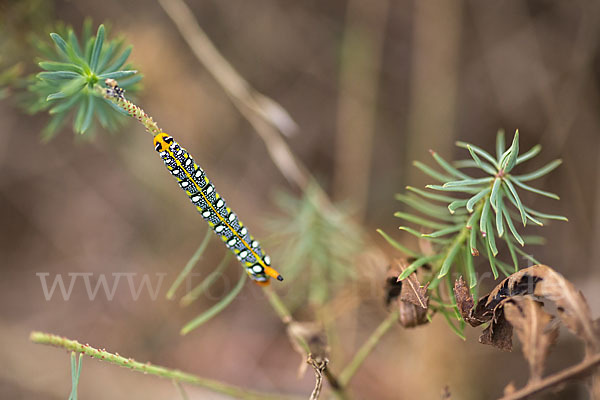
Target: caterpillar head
{"type": "Point", "coordinates": [162, 141]}
{"type": "Point", "coordinates": [260, 273]}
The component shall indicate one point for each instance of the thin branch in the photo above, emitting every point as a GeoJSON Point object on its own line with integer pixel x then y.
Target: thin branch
{"type": "Point", "coordinates": [319, 366]}
{"type": "Point", "coordinates": [255, 107]}
{"type": "Point", "coordinates": [147, 368]}
{"type": "Point", "coordinates": [584, 368]}
{"type": "Point", "coordinates": [367, 348]}
{"type": "Point", "coordinates": [286, 317]}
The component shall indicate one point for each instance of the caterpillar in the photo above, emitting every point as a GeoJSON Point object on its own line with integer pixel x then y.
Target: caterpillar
{"type": "Point", "coordinates": [224, 222]}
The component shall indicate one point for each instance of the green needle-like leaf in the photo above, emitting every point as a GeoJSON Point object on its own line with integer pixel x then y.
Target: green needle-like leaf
{"type": "Point", "coordinates": [419, 235]}
{"type": "Point", "coordinates": [484, 166]}
{"type": "Point", "coordinates": [499, 208]}
{"type": "Point", "coordinates": [57, 75]}
{"type": "Point", "coordinates": [425, 207]}
{"type": "Point", "coordinates": [494, 195]}
{"type": "Point", "coordinates": [511, 161]}
{"type": "Point", "coordinates": [534, 190]}
{"type": "Point", "coordinates": [60, 66]}
{"type": "Point", "coordinates": [73, 87]}
{"type": "Point", "coordinates": [464, 189]}
{"type": "Point", "coordinates": [443, 232]}
{"type": "Point", "coordinates": [450, 258]}
{"type": "Point", "coordinates": [449, 168]}
{"type": "Point", "coordinates": [455, 205]}
{"type": "Point", "coordinates": [216, 309]}
{"type": "Point", "coordinates": [430, 195]}
{"type": "Point", "coordinates": [87, 121]}
{"type": "Point", "coordinates": [511, 227]}
{"type": "Point", "coordinates": [64, 106]}
{"type": "Point", "coordinates": [528, 155]}
{"type": "Point", "coordinates": [431, 172]}
{"type": "Point", "coordinates": [74, 43]}
{"type": "Point", "coordinates": [479, 151]}
{"type": "Point", "coordinates": [473, 200]}
{"type": "Point", "coordinates": [491, 259]}
{"type": "Point", "coordinates": [491, 237]}
{"type": "Point", "coordinates": [513, 255]}
{"type": "Point", "coordinates": [473, 241]}
{"type": "Point", "coordinates": [397, 245]}
{"type": "Point", "coordinates": [207, 282]}
{"type": "Point", "coordinates": [467, 182]}
{"type": "Point", "coordinates": [420, 221]}
{"type": "Point", "coordinates": [119, 62]}
{"type": "Point", "coordinates": [512, 195]}
{"type": "Point", "coordinates": [117, 74]}
{"type": "Point", "coordinates": [500, 144]}
{"type": "Point", "coordinates": [470, 268]}
{"type": "Point", "coordinates": [190, 264]}
{"type": "Point", "coordinates": [527, 256]}
{"type": "Point", "coordinates": [97, 48]}
{"type": "Point", "coordinates": [546, 216]}
{"type": "Point", "coordinates": [484, 217]}
{"type": "Point", "coordinates": [538, 173]}
{"type": "Point", "coordinates": [419, 262]}
{"type": "Point", "coordinates": [60, 43]}
{"type": "Point", "coordinates": [79, 117]}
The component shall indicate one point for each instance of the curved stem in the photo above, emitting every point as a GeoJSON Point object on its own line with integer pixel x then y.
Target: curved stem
{"type": "Point", "coordinates": [586, 367]}
{"type": "Point", "coordinates": [367, 348]}
{"type": "Point", "coordinates": [147, 368]}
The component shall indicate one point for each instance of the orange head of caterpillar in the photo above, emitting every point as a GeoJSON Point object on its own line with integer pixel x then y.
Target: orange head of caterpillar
{"type": "Point", "coordinates": [261, 272]}
{"type": "Point", "coordinates": [162, 141]}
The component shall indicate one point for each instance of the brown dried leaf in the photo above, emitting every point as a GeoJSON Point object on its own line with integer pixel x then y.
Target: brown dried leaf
{"type": "Point", "coordinates": [535, 331]}
{"type": "Point", "coordinates": [499, 331]}
{"type": "Point", "coordinates": [411, 315]}
{"type": "Point", "coordinates": [464, 300]}
{"type": "Point", "coordinates": [412, 291]}
{"type": "Point", "coordinates": [408, 296]}
{"type": "Point", "coordinates": [572, 306]}
{"type": "Point", "coordinates": [519, 283]}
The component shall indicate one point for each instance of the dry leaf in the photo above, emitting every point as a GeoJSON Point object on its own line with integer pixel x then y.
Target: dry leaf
{"type": "Point", "coordinates": [412, 291]}
{"type": "Point", "coordinates": [408, 295]}
{"type": "Point", "coordinates": [572, 306]}
{"type": "Point", "coordinates": [464, 300]}
{"type": "Point", "coordinates": [535, 331]}
{"type": "Point", "coordinates": [499, 331]}
{"type": "Point", "coordinates": [519, 283]}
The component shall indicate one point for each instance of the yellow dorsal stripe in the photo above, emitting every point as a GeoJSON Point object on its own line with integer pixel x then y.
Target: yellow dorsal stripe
{"type": "Point", "coordinates": [260, 260]}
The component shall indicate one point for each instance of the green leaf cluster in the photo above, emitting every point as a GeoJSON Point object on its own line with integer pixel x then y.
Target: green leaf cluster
{"type": "Point", "coordinates": [73, 71]}
{"type": "Point", "coordinates": [464, 216]}
{"type": "Point", "coordinates": [316, 244]}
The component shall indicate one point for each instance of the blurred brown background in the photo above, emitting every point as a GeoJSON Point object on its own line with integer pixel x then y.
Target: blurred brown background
{"type": "Point", "coordinates": [372, 86]}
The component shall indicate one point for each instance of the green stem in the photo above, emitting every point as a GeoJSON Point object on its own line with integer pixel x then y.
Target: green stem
{"type": "Point", "coordinates": [366, 349]}
{"type": "Point", "coordinates": [147, 368]}
{"type": "Point", "coordinates": [190, 265]}
{"type": "Point", "coordinates": [133, 111]}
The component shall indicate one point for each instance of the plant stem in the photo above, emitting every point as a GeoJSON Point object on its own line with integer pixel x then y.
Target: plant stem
{"type": "Point", "coordinates": [585, 367]}
{"type": "Point", "coordinates": [367, 348]}
{"type": "Point", "coordinates": [147, 368]}
{"type": "Point", "coordinates": [286, 317]}
{"type": "Point", "coordinates": [133, 111]}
